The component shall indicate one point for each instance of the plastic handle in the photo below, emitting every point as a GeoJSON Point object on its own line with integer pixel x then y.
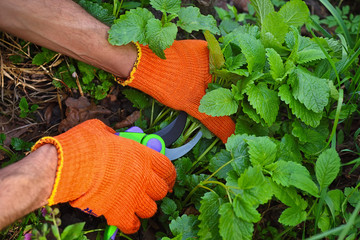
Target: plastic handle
{"type": "Point", "coordinates": [152, 141]}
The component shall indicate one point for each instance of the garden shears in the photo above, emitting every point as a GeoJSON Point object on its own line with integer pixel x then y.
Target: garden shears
{"type": "Point", "coordinates": [159, 141]}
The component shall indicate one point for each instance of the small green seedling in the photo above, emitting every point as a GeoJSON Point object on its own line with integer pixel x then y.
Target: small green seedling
{"type": "Point", "coordinates": [25, 109]}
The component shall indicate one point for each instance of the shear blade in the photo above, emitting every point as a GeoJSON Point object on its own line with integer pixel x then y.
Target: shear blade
{"type": "Point", "coordinates": [175, 153]}
{"type": "Point", "coordinates": [172, 132]}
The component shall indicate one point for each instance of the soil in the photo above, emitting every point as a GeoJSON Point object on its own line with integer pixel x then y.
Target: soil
{"type": "Point", "coordinates": [59, 110]}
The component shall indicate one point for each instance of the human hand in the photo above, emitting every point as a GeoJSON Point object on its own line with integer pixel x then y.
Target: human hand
{"type": "Point", "coordinates": [179, 81]}
{"type": "Point", "coordinates": [104, 174]}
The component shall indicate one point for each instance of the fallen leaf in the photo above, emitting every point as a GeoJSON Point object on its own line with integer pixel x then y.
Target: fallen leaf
{"type": "Point", "coordinates": [129, 120]}
{"type": "Point", "coordinates": [80, 110]}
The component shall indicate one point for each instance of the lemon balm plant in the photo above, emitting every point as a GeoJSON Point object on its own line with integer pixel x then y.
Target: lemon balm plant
{"type": "Point", "coordinates": [285, 91]}
{"type": "Point", "coordinates": [140, 25]}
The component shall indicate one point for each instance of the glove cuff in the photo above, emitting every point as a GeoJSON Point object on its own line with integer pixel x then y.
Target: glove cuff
{"type": "Point", "coordinates": [77, 149]}
{"type": "Point", "coordinates": [125, 82]}
{"type": "Point", "coordinates": [60, 164]}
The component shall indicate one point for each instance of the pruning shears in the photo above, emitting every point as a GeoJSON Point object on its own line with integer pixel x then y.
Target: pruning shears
{"type": "Point", "coordinates": [159, 141]}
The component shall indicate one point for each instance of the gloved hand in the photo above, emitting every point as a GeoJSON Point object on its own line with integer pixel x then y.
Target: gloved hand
{"type": "Point", "coordinates": [179, 81]}
{"type": "Point", "coordinates": [104, 174]}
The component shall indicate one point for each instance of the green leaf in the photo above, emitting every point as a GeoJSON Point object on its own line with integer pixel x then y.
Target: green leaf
{"type": "Point", "coordinates": [295, 13]}
{"type": "Point", "coordinates": [277, 69]}
{"type": "Point", "coordinates": [130, 27]}
{"type": "Point", "coordinates": [245, 210]}
{"type": "Point", "coordinates": [139, 99]}
{"type": "Point", "coordinates": [220, 159]}
{"type": "Point", "coordinates": [327, 167]}
{"type": "Point", "coordinates": [182, 165]}
{"type": "Point", "coordinates": [289, 149]}
{"type": "Point", "coordinates": [209, 216]}
{"type": "Point", "coordinates": [262, 151]}
{"type": "Point", "coordinates": [337, 198]}
{"type": "Point", "coordinates": [253, 50]}
{"type": "Point", "coordinates": [255, 188]}
{"type": "Point", "coordinates": [265, 101]}
{"type": "Point", "coordinates": [231, 226]}
{"type": "Point", "coordinates": [353, 195]}
{"type": "Point", "coordinates": [245, 125]}
{"type": "Point", "coordinates": [298, 109]}
{"type": "Point", "coordinates": [186, 225]}
{"type": "Point", "coordinates": [20, 145]}
{"type": "Point", "coordinates": [293, 174]}
{"type": "Point", "coordinates": [235, 62]}
{"type": "Point", "coordinates": [169, 6]}
{"type": "Point", "coordinates": [23, 105]}
{"type": "Point", "coordinates": [216, 58]}
{"type": "Point", "coordinates": [275, 25]}
{"type": "Point", "coordinates": [238, 149]}
{"type": "Point", "coordinates": [160, 36]}
{"type": "Point", "coordinates": [308, 51]}
{"type": "Point", "coordinates": [33, 108]}
{"type": "Point", "coordinates": [251, 112]}
{"type": "Point", "coordinates": [292, 216]}
{"type": "Point", "coordinates": [87, 72]}
{"type": "Point", "coordinates": [310, 90]}
{"type": "Point", "coordinates": [262, 8]}
{"type": "Point", "coordinates": [73, 231]}
{"type": "Point", "coordinates": [168, 206]}
{"type": "Point", "coordinates": [219, 102]}
{"type": "Point", "coordinates": [98, 11]}
{"type": "Point", "coordinates": [251, 178]}
{"type": "Point", "coordinates": [190, 19]}
{"type": "Point", "coordinates": [307, 134]}
{"type": "Point", "coordinates": [43, 57]}
{"type": "Point", "coordinates": [2, 138]}
{"type": "Point", "coordinates": [324, 222]}
{"type": "Point", "coordinates": [288, 196]}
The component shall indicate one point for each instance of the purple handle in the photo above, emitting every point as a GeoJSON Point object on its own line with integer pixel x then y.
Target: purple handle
{"type": "Point", "coordinates": [154, 144]}
{"type": "Point", "coordinates": [135, 129]}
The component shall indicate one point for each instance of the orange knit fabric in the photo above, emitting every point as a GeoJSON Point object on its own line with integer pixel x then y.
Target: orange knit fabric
{"type": "Point", "coordinates": [179, 81]}
{"type": "Point", "coordinates": [104, 174]}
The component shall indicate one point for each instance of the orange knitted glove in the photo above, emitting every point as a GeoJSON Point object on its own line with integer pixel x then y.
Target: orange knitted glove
{"type": "Point", "coordinates": [104, 174]}
{"type": "Point", "coordinates": [179, 81]}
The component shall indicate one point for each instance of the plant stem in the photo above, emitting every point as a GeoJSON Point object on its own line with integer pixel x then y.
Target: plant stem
{"type": "Point", "coordinates": [160, 116]}
{"type": "Point", "coordinates": [203, 154]}
{"type": "Point", "coordinates": [189, 131]}
{"type": "Point", "coordinates": [221, 184]}
{"type": "Point", "coordinates": [56, 227]}
{"type": "Point", "coordinates": [7, 151]}
{"type": "Point", "coordinates": [125, 236]}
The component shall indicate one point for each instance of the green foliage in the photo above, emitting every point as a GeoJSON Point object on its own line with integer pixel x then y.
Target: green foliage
{"type": "Point", "coordinates": [185, 226]}
{"type": "Point", "coordinates": [43, 57]}
{"type": "Point", "coordinates": [139, 99]}
{"type": "Point", "coordinates": [327, 167]}
{"type": "Point", "coordinates": [279, 87]}
{"type": "Point", "coordinates": [25, 109]}
{"type": "Point", "coordinates": [284, 92]}
{"type": "Point", "coordinates": [219, 102]}
{"type": "Point", "coordinates": [140, 25]}
{"type": "Point", "coordinates": [99, 10]}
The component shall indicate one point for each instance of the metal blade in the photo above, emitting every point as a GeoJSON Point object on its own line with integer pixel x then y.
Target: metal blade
{"type": "Point", "coordinates": [172, 132]}
{"type": "Point", "coordinates": [175, 153]}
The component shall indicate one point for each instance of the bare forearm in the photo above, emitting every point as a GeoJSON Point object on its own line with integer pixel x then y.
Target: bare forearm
{"type": "Point", "coordinates": [26, 185]}
{"type": "Point", "coordinates": [63, 26]}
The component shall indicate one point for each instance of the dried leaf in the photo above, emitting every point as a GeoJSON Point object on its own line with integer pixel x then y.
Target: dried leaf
{"type": "Point", "coordinates": [130, 120]}
{"type": "Point", "coordinates": [80, 110]}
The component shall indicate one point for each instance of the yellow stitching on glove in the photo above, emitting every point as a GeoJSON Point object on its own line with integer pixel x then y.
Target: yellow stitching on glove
{"type": "Point", "coordinates": [127, 81]}
{"type": "Point", "coordinates": [54, 142]}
